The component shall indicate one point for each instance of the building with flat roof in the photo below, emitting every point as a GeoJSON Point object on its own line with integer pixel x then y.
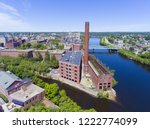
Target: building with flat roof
{"type": "Point", "coordinates": [70, 66]}
{"type": "Point", "coordinates": [27, 95]}
{"type": "Point", "coordinates": [19, 91]}
{"type": "Point", "coordinates": [30, 53]}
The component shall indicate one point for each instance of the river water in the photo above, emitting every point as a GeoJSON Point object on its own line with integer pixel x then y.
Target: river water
{"type": "Point", "coordinates": [133, 88]}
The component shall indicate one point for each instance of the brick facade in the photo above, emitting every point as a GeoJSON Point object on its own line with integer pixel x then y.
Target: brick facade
{"type": "Point", "coordinates": [86, 47]}
{"type": "Point", "coordinates": [70, 71]}
{"type": "Point", "coordinates": [29, 53]}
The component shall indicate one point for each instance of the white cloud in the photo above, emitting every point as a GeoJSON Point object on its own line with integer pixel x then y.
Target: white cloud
{"type": "Point", "coordinates": [10, 23]}
{"type": "Point", "coordinates": [9, 9]}
{"type": "Point", "coordinates": [11, 20]}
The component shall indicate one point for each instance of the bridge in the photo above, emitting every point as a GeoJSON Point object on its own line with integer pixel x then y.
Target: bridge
{"type": "Point", "coordinates": [114, 47]}
{"type": "Point", "coordinates": [96, 49]}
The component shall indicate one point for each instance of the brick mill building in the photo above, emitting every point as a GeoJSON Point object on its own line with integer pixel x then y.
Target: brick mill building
{"type": "Point", "coordinates": [31, 53]}
{"type": "Point", "coordinates": [70, 66]}
{"type": "Point", "coordinates": [99, 74]}
{"type": "Point", "coordinates": [20, 91]}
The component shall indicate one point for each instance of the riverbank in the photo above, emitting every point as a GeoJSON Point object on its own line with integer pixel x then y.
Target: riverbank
{"type": "Point", "coordinates": [134, 57]}
{"type": "Point", "coordinates": [104, 41]}
{"type": "Point", "coordinates": [89, 90]}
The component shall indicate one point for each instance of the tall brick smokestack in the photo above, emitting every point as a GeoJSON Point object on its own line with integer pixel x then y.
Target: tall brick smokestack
{"type": "Point", "coordinates": [86, 47]}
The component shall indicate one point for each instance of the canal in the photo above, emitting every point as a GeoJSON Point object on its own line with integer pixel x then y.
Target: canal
{"type": "Point", "coordinates": [133, 88]}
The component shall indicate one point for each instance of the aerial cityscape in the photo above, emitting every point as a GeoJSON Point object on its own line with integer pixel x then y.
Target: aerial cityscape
{"type": "Point", "coordinates": [60, 68]}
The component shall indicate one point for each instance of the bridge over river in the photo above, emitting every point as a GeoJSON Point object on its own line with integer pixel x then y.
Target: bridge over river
{"type": "Point", "coordinates": [114, 47]}
{"type": "Point", "coordinates": [94, 46]}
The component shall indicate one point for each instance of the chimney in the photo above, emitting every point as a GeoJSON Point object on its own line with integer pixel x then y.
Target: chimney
{"type": "Point", "coordinates": [86, 47]}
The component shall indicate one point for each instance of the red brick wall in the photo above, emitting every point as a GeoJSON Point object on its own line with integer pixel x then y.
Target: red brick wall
{"type": "Point", "coordinates": [86, 47]}
{"type": "Point", "coordinates": [36, 98]}
{"type": "Point", "coordinates": [76, 47]}
{"type": "Point", "coordinates": [74, 71]}
{"type": "Point", "coordinates": [13, 53]}
{"type": "Point", "coordinates": [16, 53]}
{"type": "Point", "coordinates": [101, 81]}
{"type": "Point", "coordinates": [93, 76]}
{"type": "Point", "coordinates": [57, 55]}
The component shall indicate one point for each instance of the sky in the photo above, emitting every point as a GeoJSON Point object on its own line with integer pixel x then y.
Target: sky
{"type": "Point", "coordinates": [70, 15]}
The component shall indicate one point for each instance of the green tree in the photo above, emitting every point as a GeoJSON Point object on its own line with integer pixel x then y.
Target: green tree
{"type": "Point", "coordinates": [47, 56]}
{"type": "Point", "coordinates": [51, 90]}
{"type": "Point", "coordinates": [39, 56]}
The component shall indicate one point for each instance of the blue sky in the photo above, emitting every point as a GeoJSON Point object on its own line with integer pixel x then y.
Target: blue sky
{"type": "Point", "coordinates": [70, 15]}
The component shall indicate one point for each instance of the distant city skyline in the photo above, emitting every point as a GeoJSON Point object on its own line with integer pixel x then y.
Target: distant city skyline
{"type": "Point", "coordinates": [70, 15]}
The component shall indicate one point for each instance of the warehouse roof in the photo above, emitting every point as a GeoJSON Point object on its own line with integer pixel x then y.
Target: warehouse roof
{"type": "Point", "coordinates": [30, 92]}
{"type": "Point", "coordinates": [72, 57]}
{"type": "Point", "coordinates": [7, 78]}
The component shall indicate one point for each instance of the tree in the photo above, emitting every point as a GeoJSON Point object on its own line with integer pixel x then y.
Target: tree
{"type": "Point", "coordinates": [54, 62]}
{"type": "Point", "coordinates": [39, 56]}
{"type": "Point", "coordinates": [47, 56]}
{"type": "Point", "coordinates": [51, 90]}
{"type": "Point", "coordinates": [28, 45]}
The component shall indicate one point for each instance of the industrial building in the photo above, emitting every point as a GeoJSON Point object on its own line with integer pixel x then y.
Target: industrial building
{"type": "Point", "coordinates": [70, 66]}
{"type": "Point", "coordinates": [19, 91]}
{"type": "Point", "coordinates": [100, 75]}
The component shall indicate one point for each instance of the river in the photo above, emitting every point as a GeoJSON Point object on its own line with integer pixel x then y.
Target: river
{"type": "Point", "coordinates": [133, 88]}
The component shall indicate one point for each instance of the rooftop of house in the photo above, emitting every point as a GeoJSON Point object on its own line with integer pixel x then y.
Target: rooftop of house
{"type": "Point", "coordinates": [7, 78]}
{"type": "Point", "coordinates": [72, 58]}
{"type": "Point", "coordinates": [24, 95]}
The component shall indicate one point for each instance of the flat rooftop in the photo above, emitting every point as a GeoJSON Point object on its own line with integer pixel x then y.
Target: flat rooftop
{"type": "Point", "coordinates": [28, 50]}
{"type": "Point", "coordinates": [30, 92]}
{"type": "Point", "coordinates": [52, 51]}
{"type": "Point", "coordinates": [72, 58]}
{"type": "Point", "coordinates": [18, 50]}
{"type": "Point", "coordinates": [99, 67]}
